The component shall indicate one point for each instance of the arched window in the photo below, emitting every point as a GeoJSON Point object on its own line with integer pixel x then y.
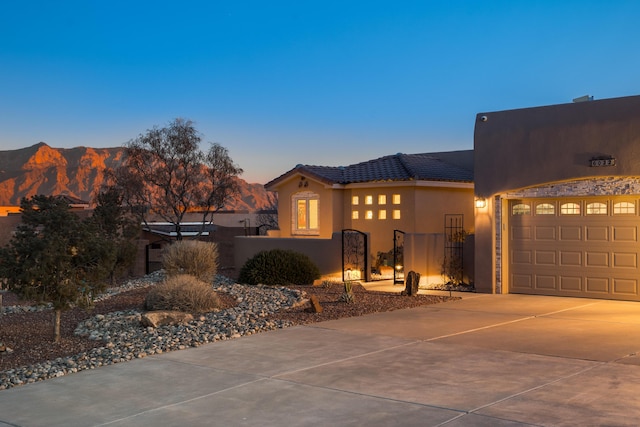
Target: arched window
{"type": "Point", "coordinates": [305, 213]}
{"type": "Point", "coordinates": [545, 209]}
{"type": "Point", "coordinates": [621, 208]}
{"type": "Point", "coordinates": [570, 209]}
{"type": "Point", "coordinates": [521, 209]}
{"type": "Point", "coordinates": [596, 208]}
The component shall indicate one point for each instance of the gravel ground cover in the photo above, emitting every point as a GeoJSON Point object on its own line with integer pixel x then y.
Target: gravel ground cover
{"type": "Point", "coordinates": [111, 332]}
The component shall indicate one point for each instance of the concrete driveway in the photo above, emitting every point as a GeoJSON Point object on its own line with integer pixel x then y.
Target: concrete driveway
{"type": "Point", "coordinates": [485, 360]}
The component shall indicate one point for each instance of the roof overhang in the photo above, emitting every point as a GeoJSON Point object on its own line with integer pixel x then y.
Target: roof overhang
{"type": "Point", "coordinates": [418, 183]}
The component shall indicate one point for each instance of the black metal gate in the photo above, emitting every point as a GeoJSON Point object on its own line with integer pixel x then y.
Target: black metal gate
{"type": "Point", "coordinates": [398, 256]}
{"type": "Point", "coordinates": [354, 255]}
{"type": "Point", "coordinates": [454, 236]}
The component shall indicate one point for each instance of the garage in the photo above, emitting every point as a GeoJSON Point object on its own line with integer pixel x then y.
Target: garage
{"type": "Point", "coordinates": [579, 247]}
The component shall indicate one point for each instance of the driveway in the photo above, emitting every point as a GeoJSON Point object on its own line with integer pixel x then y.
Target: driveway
{"type": "Point", "coordinates": [485, 360]}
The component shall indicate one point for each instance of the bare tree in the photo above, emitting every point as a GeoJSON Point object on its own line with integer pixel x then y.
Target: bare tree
{"type": "Point", "coordinates": [165, 175]}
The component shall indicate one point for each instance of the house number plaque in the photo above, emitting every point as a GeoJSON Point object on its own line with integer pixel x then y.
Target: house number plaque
{"type": "Point", "coordinates": [598, 162]}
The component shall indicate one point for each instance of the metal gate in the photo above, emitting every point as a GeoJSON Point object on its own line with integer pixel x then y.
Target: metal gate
{"type": "Point", "coordinates": [354, 255]}
{"type": "Point", "coordinates": [398, 257]}
{"type": "Point", "coordinates": [454, 235]}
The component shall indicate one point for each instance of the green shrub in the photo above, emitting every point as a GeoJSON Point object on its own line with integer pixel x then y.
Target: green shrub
{"type": "Point", "coordinates": [182, 292]}
{"type": "Point", "coordinates": [199, 259]}
{"type": "Point", "coordinates": [279, 267]}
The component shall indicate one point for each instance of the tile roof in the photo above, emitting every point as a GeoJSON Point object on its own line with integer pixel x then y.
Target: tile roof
{"type": "Point", "coordinates": [455, 166]}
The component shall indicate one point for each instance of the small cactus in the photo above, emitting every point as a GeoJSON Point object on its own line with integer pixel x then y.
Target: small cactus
{"type": "Point", "coordinates": [348, 296]}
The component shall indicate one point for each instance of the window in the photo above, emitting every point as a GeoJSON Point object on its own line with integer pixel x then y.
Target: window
{"type": "Point", "coordinates": [545, 209]}
{"type": "Point", "coordinates": [306, 213]}
{"type": "Point", "coordinates": [355, 200]}
{"type": "Point", "coordinates": [396, 214]}
{"type": "Point", "coordinates": [624, 208]}
{"type": "Point", "coordinates": [355, 215]}
{"type": "Point", "coordinates": [368, 200]}
{"type": "Point", "coordinates": [521, 209]}
{"type": "Point", "coordinates": [570, 209]}
{"type": "Point", "coordinates": [382, 199]}
{"type": "Point", "coordinates": [382, 214]}
{"type": "Point", "coordinates": [395, 199]}
{"type": "Point", "coordinates": [368, 215]}
{"type": "Point", "coordinates": [596, 208]}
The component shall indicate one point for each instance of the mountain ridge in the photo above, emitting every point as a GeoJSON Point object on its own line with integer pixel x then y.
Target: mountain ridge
{"type": "Point", "coordinates": [78, 172]}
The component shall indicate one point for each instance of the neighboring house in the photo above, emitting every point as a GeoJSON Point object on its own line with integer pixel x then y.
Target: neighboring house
{"type": "Point", "coordinates": [411, 193]}
{"type": "Point", "coordinates": [558, 200]}
{"type": "Point", "coordinates": [222, 228]}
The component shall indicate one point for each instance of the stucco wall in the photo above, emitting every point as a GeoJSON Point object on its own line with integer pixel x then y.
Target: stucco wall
{"type": "Point", "coordinates": [547, 152]}
{"type": "Point", "coordinates": [325, 253]}
{"type": "Point", "coordinates": [520, 148]}
{"type": "Point", "coordinates": [422, 208]}
{"type": "Point", "coordinates": [424, 253]}
{"type": "Point", "coordinates": [288, 190]}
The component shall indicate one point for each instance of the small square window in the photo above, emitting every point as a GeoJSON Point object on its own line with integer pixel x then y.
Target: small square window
{"type": "Point", "coordinates": [396, 199]}
{"type": "Point", "coordinates": [396, 214]}
{"type": "Point", "coordinates": [368, 200]}
{"type": "Point", "coordinates": [368, 215]}
{"type": "Point", "coordinates": [355, 200]}
{"type": "Point", "coordinates": [382, 199]}
{"type": "Point", "coordinates": [382, 214]}
{"type": "Point", "coordinates": [355, 215]}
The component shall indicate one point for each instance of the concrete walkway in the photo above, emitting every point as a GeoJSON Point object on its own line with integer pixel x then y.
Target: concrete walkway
{"type": "Point", "coordinates": [485, 360]}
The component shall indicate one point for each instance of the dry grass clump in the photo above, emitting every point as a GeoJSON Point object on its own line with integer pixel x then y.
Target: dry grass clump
{"type": "Point", "coordinates": [199, 259]}
{"type": "Point", "coordinates": [183, 292]}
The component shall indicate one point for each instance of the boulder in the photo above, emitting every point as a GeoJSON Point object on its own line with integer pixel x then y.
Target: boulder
{"type": "Point", "coordinates": [315, 304]}
{"type": "Point", "coordinates": [411, 284]}
{"type": "Point", "coordinates": [161, 318]}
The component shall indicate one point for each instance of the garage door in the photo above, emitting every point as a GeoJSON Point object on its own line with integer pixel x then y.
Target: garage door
{"type": "Point", "coordinates": [574, 247]}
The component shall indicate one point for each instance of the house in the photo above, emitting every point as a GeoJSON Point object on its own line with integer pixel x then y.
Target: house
{"type": "Point", "coordinates": [558, 200]}
{"type": "Point", "coordinates": [401, 193]}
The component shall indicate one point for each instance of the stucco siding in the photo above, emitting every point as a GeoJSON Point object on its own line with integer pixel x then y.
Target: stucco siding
{"type": "Point", "coordinates": [520, 148]}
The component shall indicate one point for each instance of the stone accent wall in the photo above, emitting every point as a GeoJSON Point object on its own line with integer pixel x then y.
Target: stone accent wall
{"type": "Point", "coordinates": [609, 186]}
{"type": "Point", "coordinates": [498, 249]}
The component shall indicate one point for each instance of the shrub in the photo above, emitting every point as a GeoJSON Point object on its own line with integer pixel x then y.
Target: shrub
{"type": "Point", "coordinates": [279, 267]}
{"type": "Point", "coordinates": [183, 292]}
{"type": "Point", "coordinates": [199, 259]}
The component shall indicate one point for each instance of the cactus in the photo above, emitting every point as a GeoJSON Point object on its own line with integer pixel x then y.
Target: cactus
{"type": "Point", "coordinates": [348, 296]}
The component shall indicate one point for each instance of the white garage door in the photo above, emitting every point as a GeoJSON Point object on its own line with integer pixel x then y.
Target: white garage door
{"type": "Point", "coordinates": [574, 247]}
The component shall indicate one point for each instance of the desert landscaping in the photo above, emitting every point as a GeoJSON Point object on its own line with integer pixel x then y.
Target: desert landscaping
{"type": "Point", "coordinates": [89, 341]}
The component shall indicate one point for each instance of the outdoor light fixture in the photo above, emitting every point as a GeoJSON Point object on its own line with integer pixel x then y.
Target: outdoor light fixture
{"type": "Point", "coordinates": [481, 202]}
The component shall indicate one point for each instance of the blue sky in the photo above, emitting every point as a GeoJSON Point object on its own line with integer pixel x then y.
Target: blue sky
{"type": "Point", "coordinates": [316, 82]}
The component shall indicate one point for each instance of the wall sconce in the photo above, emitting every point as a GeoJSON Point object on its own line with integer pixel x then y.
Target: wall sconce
{"type": "Point", "coordinates": [481, 202]}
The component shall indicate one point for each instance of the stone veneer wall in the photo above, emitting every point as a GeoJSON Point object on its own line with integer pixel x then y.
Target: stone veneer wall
{"type": "Point", "coordinates": [498, 214]}
{"type": "Point", "coordinates": [606, 186]}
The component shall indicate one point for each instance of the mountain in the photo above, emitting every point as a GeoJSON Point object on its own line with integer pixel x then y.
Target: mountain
{"type": "Point", "coordinates": [78, 172]}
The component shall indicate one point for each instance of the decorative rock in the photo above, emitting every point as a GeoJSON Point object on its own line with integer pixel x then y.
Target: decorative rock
{"type": "Point", "coordinates": [155, 319]}
{"type": "Point", "coordinates": [125, 338]}
{"type": "Point", "coordinates": [315, 304]}
{"type": "Point", "coordinates": [411, 284]}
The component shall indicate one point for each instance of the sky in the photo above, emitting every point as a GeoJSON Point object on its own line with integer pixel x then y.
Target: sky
{"type": "Point", "coordinates": [281, 83]}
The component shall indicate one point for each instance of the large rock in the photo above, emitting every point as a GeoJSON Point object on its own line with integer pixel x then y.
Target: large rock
{"type": "Point", "coordinates": [411, 284]}
{"type": "Point", "coordinates": [161, 318]}
{"type": "Point", "coordinates": [315, 304]}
